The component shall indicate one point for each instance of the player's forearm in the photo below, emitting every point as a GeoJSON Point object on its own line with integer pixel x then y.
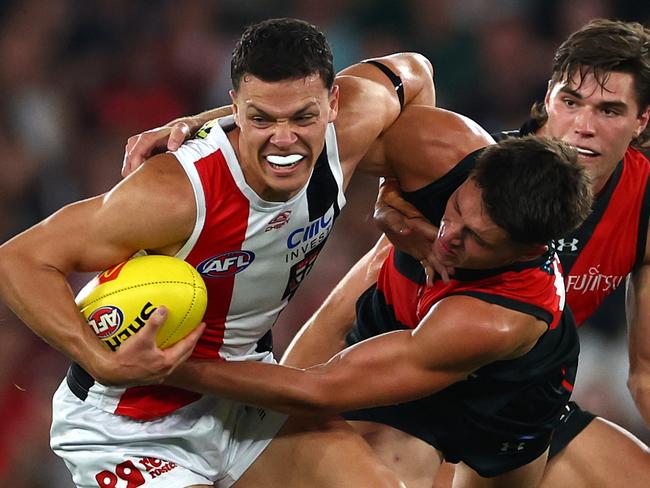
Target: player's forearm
{"type": "Point", "coordinates": [379, 371]}
{"type": "Point", "coordinates": [194, 122]}
{"type": "Point", "coordinates": [638, 318]}
{"type": "Point", "coordinates": [324, 334]}
{"type": "Point", "coordinates": [280, 388]}
{"type": "Point", "coordinates": [329, 388]}
{"type": "Point", "coordinates": [639, 381]}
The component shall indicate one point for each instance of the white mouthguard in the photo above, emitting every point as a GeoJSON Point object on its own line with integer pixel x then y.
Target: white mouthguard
{"type": "Point", "coordinates": [283, 160]}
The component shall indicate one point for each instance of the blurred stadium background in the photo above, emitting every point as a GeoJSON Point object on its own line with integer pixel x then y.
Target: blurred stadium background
{"type": "Point", "coordinates": [78, 77]}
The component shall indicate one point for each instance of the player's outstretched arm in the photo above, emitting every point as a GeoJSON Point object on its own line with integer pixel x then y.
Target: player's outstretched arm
{"type": "Point", "coordinates": [323, 335]}
{"type": "Point", "coordinates": [149, 210]}
{"type": "Point", "coordinates": [638, 319]}
{"type": "Point", "coordinates": [367, 92]}
{"type": "Point", "coordinates": [458, 336]}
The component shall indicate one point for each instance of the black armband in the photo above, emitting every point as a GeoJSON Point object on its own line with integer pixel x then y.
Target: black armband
{"type": "Point", "coordinates": [394, 79]}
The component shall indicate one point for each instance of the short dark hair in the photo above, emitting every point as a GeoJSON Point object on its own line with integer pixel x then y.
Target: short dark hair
{"type": "Point", "coordinates": [600, 47]}
{"type": "Point", "coordinates": [282, 49]}
{"type": "Point", "coordinates": [533, 188]}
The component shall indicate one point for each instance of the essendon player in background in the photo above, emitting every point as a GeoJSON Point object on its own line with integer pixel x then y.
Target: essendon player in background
{"type": "Point", "coordinates": [598, 101]}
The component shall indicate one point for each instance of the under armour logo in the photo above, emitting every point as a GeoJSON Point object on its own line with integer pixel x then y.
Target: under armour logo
{"type": "Point", "coordinates": [514, 447]}
{"type": "Point", "coordinates": [562, 245]}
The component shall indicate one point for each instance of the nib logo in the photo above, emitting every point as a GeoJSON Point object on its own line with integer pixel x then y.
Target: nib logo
{"type": "Point", "coordinates": [278, 221]}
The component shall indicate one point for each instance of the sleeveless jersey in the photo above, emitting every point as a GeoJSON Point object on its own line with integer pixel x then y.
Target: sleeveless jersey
{"type": "Point", "coordinates": [252, 254]}
{"type": "Point", "coordinates": [546, 373]}
{"type": "Point", "coordinates": [521, 389]}
{"type": "Point", "coordinates": [611, 243]}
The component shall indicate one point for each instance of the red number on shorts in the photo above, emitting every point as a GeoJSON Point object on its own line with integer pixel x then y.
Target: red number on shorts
{"type": "Point", "coordinates": [125, 471]}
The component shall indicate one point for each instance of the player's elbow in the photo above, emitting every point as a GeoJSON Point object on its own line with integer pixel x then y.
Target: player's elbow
{"type": "Point", "coordinates": [317, 397]}
{"type": "Point", "coordinates": [420, 64]}
{"type": "Point", "coordinates": [419, 87]}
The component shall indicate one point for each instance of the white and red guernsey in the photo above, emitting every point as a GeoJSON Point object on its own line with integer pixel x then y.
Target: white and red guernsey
{"type": "Point", "coordinates": [252, 254]}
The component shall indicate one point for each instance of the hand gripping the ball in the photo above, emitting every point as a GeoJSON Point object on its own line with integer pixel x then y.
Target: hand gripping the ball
{"type": "Point", "coordinates": [140, 361]}
{"type": "Point", "coordinates": [158, 302]}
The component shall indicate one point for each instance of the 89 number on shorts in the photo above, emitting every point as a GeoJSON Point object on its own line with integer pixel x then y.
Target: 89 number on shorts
{"type": "Point", "coordinates": [125, 471]}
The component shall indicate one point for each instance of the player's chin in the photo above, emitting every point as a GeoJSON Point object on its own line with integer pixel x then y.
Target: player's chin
{"type": "Point", "coordinates": [292, 180]}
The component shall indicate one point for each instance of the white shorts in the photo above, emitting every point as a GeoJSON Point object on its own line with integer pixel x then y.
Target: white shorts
{"type": "Point", "coordinates": [209, 441]}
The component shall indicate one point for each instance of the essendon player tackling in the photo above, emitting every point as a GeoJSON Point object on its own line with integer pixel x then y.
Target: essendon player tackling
{"type": "Point", "coordinates": [481, 367]}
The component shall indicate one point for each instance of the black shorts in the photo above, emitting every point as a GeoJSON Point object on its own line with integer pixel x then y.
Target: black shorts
{"type": "Point", "coordinates": [489, 446]}
{"type": "Point", "coordinates": [572, 423]}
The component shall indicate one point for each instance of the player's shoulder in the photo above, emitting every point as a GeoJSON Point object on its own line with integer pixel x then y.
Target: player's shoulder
{"type": "Point", "coordinates": [481, 332]}
{"type": "Point", "coordinates": [426, 143]}
{"type": "Point", "coordinates": [161, 179]}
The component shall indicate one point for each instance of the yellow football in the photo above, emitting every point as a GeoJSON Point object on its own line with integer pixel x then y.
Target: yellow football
{"type": "Point", "coordinates": [118, 302]}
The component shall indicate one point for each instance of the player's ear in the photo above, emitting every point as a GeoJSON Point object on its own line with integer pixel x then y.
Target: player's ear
{"type": "Point", "coordinates": [643, 121]}
{"type": "Point", "coordinates": [235, 107]}
{"type": "Point", "coordinates": [333, 101]}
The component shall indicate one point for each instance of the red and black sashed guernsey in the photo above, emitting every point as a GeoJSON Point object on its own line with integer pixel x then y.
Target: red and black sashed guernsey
{"type": "Point", "coordinates": [611, 243]}
{"type": "Point", "coordinates": [518, 400]}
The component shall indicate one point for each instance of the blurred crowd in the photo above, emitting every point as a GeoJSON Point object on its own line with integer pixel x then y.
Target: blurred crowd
{"type": "Point", "coordinates": [78, 77]}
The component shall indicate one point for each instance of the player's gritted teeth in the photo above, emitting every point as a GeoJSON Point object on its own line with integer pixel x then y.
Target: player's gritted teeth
{"type": "Point", "coordinates": [285, 162]}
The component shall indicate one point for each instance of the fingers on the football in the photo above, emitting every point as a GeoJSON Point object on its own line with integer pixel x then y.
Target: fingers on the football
{"type": "Point", "coordinates": [183, 349]}
{"type": "Point", "coordinates": [156, 320]}
{"type": "Point", "coordinates": [193, 337]}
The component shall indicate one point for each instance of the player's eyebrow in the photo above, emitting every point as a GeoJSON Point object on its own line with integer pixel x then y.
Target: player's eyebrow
{"type": "Point", "coordinates": [475, 234]}
{"type": "Point", "coordinates": [618, 105]}
{"type": "Point", "coordinates": [308, 106]}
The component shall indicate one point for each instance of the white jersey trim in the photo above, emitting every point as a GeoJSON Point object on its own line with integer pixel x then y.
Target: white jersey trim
{"type": "Point", "coordinates": [199, 198]}
{"type": "Point", "coordinates": [187, 157]}
{"type": "Point", "coordinates": [335, 163]}
{"type": "Point", "coordinates": [256, 202]}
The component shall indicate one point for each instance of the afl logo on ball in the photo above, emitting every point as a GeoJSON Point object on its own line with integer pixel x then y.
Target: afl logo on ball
{"type": "Point", "coordinates": [106, 321]}
{"type": "Point", "coordinates": [226, 264]}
